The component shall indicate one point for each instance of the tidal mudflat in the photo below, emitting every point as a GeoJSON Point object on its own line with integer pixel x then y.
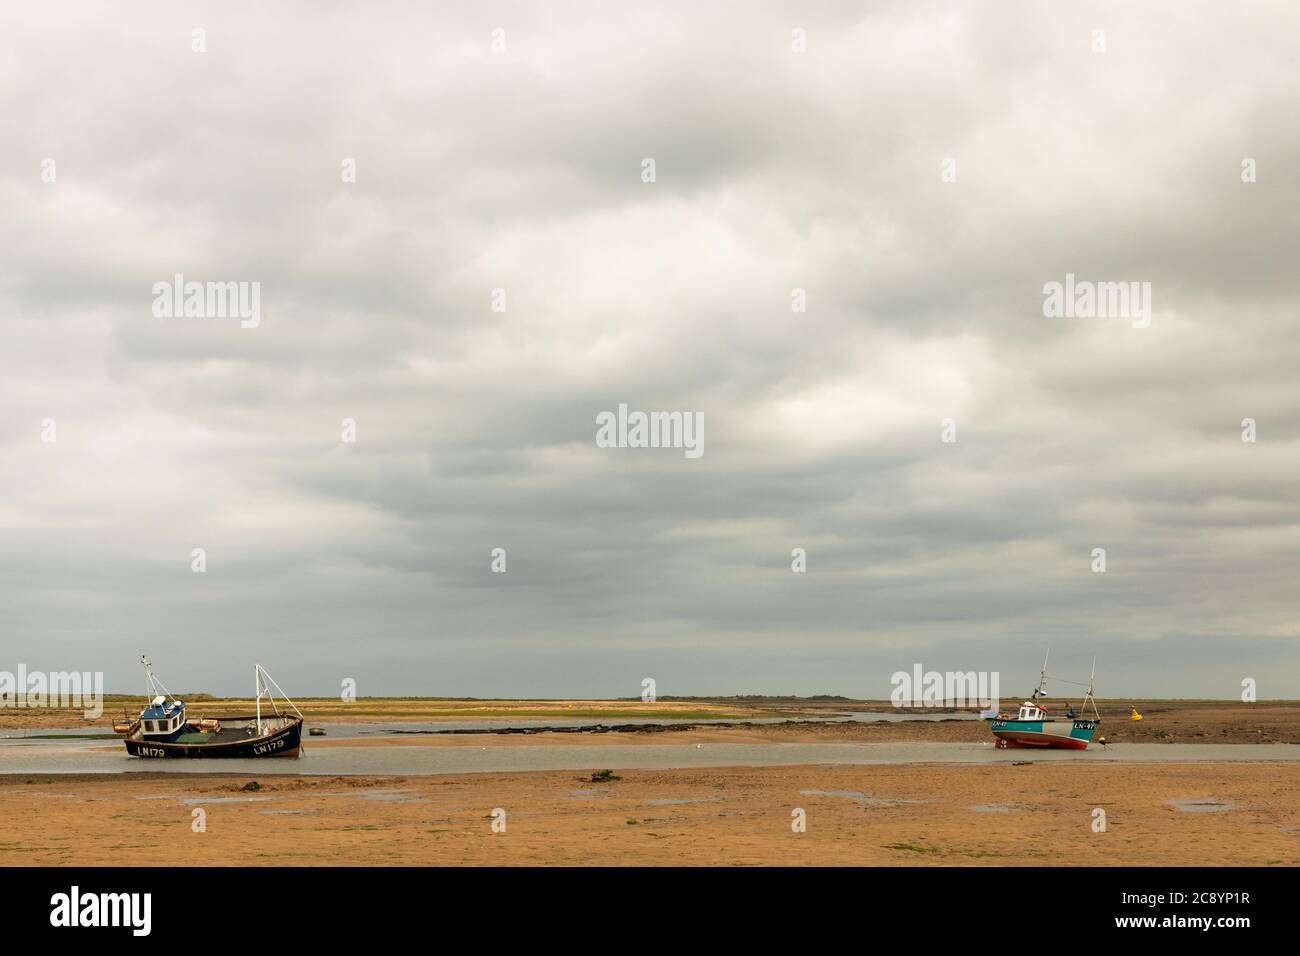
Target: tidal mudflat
{"type": "Point", "coordinates": [883, 814]}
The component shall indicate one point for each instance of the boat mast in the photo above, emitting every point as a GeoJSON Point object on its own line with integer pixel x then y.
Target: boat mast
{"type": "Point", "coordinates": [152, 682]}
{"type": "Point", "coordinates": [264, 684]}
{"type": "Point", "coordinates": [1088, 696]}
{"type": "Point", "coordinates": [1042, 679]}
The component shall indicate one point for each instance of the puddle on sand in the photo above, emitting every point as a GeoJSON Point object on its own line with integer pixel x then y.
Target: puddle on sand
{"type": "Point", "coordinates": [206, 800]}
{"type": "Point", "coordinates": [1204, 805]}
{"type": "Point", "coordinates": [388, 796]}
{"type": "Point", "coordinates": [193, 801]}
{"type": "Point", "coordinates": [994, 808]}
{"type": "Point", "coordinates": [856, 796]}
{"type": "Point", "coordinates": [683, 801]}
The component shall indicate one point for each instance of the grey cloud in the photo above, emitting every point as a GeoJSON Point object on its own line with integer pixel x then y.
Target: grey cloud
{"type": "Point", "coordinates": [475, 429]}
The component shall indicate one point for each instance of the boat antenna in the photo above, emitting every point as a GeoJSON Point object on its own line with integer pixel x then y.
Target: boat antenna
{"type": "Point", "coordinates": [1042, 678]}
{"type": "Point", "coordinates": [1090, 697]}
{"type": "Point", "coordinates": [153, 684]}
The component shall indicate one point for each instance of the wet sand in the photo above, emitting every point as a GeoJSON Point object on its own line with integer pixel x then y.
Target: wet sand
{"type": "Point", "coordinates": [1035, 813]}
{"type": "Point", "coordinates": [1264, 725]}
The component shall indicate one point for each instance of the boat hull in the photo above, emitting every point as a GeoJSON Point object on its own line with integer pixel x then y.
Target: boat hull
{"type": "Point", "coordinates": [1064, 733]}
{"type": "Point", "coordinates": [283, 742]}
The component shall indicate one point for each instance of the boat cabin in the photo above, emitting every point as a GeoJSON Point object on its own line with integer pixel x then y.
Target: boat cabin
{"type": "Point", "coordinates": [163, 719]}
{"type": "Point", "coordinates": [1031, 711]}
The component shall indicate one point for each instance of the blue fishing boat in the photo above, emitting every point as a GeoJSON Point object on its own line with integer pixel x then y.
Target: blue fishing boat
{"type": "Point", "coordinates": [1035, 726]}
{"type": "Point", "coordinates": [164, 730]}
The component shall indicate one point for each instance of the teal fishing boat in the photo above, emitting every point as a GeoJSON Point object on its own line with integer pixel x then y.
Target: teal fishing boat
{"type": "Point", "coordinates": [1035, 726]}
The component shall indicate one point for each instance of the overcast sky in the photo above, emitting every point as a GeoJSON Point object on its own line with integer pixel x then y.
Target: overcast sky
{"type": "Point", "coordinates": [775, 169]}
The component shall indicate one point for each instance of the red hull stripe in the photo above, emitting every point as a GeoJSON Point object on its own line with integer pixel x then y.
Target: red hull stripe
{"type": "Point", "coordinates": [1063, 743]}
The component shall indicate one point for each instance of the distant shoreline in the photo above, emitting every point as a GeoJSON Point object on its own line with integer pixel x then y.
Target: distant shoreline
{"type": "Point", "coordinates": [1164, 721]}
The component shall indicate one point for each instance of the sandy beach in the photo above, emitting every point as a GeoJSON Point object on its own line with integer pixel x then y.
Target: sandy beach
{"type": "Point", "coordinates": [1023, 812]}
{"type": "Point", "coordinates": [1192, 814]}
